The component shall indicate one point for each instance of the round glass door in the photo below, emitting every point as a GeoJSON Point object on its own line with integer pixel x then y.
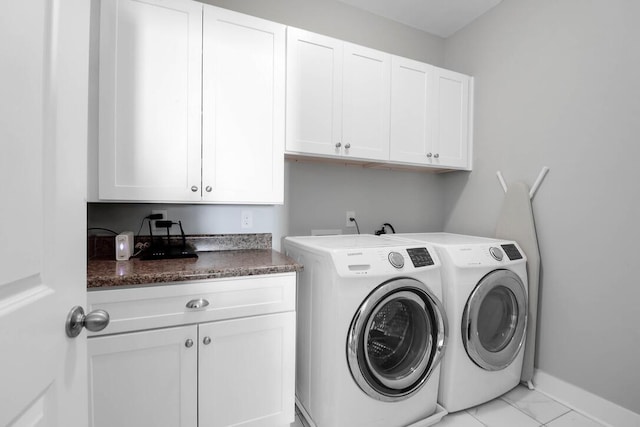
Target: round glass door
{"type": "Point", "coordinates": [396, 339]}
{"type": "Point", "coordinates": [494, 320]}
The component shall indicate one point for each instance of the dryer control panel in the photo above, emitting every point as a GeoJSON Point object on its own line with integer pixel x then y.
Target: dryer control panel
{"type": "Point", "coordinates": [485, 255]}
{"type": "Point", "coordinates": [512, 252]}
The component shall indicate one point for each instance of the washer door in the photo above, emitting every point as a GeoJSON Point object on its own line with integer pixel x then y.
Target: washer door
{"type": "Point", "coordinates": [494, 320]}
{"type": "Point", "coordinates": [396, 339]}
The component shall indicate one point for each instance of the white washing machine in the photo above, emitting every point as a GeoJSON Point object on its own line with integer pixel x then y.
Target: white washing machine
{"type": "Point", "coordinates": [371, 330]}
{"type": "Point", "coordinates": [485, 296]}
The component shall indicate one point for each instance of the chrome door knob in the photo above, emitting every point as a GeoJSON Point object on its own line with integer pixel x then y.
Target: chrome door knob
{"type": "Point", "coordinates": [347, 146]}
{"type": "Point", "coordinates": [338, 144]}
{"type": "Point", "coordinates": [436, 155]}
{"type": "Point", "coordinates": [429, 155]}
{"type": "Point", "coordinates": [208, 189]}
{"type": "Point", "coordinates": [188, 343]}
{"type": "Point", "coordinates": [206, 341]}
{"type": "Point", "coordinates": [194, 188]}
{"type": "Point", "coordinates": [95, 321]}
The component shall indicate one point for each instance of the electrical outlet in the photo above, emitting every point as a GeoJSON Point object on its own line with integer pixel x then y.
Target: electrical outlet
{"type": "Point", "coordinates": [246, 219]}
{"type": "Point", "coordinates": [350, 214]}
{"type": "Point", "coordinates": [154, 229]}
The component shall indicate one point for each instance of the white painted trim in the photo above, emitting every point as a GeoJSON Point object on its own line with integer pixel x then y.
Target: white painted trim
{"type": "Point", "coordinates": [600, 409]}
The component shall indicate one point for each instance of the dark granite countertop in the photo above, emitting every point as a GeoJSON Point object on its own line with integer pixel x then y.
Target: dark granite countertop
{"type": "Point", "coordinates": [223, 255]}
{"type": "Point", "coordinates": [102, 274]}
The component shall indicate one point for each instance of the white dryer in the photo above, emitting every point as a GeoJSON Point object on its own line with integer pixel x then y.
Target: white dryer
{"type": "Point", "coordinates": [485, 296]}
{"type": "Point", "coordinates": [371, 330]}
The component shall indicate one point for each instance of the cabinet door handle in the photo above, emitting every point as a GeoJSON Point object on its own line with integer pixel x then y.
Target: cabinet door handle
{"type": "Point", "coordinates": [188, 343]}
{"type": "Point", "coordinates": [197, 303]}
{"type": "Point", "coordinates": [206, 341]}
{"type": "Point", "coordinates": [436, 155]}
{"type": "Point", "coordinates": [194, 188]}
{"type": "Point", "coordinates": [429, 155]}
{"type": "Point", "coordinates": [208, 189]}
{"type": "Point", "coordinates": [347, 146]}
{"type": "Point", "coordinates": [338, 144]}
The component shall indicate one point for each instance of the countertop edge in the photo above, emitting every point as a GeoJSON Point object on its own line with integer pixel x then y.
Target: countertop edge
{"type": "Point", "coordinates": [268, 261]}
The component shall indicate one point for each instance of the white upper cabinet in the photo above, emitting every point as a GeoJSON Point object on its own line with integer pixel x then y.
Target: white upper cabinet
{"type": "Point", "coordinates": [150, 86]}
{"type": "Point", "coordinates": [348, 101]}
{"type": "Point", "coordinates": [366, 102]}
{"type": "Point", "coordinates": [314, 93]}
{"type": "Point", "coordinates": [337, 98]}
{"type": "Point", "coordinates": [243, 108]}
{"type": "Point", "coordinates": [412, 107]}
{"type": "Point", "coordinates": [191, 104]}
{"type": "Point", "coordinates": [430, 113]}
{"type": "Point", "coordinates": [452, 118]}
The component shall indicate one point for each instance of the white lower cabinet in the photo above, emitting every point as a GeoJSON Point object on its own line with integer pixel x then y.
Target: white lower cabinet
{"type": "Point", "coordinates": [144, 379]}
{"type": "Point", "coordinates": [221, 369]}
{"type": "Point", "coordinates": [245, 375]}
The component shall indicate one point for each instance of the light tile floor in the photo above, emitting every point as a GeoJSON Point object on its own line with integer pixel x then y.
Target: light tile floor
{"type": "Point", "coordinates": [520, 407]}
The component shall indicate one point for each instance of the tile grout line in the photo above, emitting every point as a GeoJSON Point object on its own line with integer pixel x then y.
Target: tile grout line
{"type": "Point", "coordinates": [474, 417]}
{"type": "Point", "coordinates": [559, 416]}
{"type": "Point", "coordinates": [518, 408]}
{"type": "Point", "coordinates": [579, 411]}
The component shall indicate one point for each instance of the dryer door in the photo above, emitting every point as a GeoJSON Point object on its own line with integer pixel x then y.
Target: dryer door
{"type": "Point", "coordinates": [494, 320]}
{"type": "Point", "coordinates": [396, 339]}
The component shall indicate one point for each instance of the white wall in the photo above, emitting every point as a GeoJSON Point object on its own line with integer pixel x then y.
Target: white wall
{"type": "Point", "coordinates": [557, 85]}
{"type": "Point", "coordinates": [406, 188]}
{"type": "Point", "coordinates": [321, 193]}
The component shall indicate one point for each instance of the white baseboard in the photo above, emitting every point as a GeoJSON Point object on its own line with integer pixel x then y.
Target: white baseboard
{"type": "Point", "coordinates": [585, 402]}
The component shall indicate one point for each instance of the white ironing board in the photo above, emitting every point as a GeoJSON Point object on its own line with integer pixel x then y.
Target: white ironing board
{"type": "Point", "coordinates": [516, 222]}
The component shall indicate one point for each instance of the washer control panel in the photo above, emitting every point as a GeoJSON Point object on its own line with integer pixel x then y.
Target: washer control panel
{"type": "Point", "coordinates": [396, 259]}
{"type": "Point", "coordinates": [420, 257]}
{"type": "Point", "coordinates": [385, 261]}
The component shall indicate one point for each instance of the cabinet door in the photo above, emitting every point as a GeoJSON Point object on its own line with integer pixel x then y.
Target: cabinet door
{"type": "Point", "coordinates": [314, 93]}
{"type": "Point", "coordinates": [144, 379]}
{"type": "Point", "coordinates": [247, 372]}
{"type": "Point", "coordinates": [452, 114]}
{"type": "Point", "coordinates": [243, 108]}
{"type": "Point", "coordinates": [150, 91]}
{"type": "Point", "coordinates": [366, 102]}
{"type": "Point", "coordinates": [411, 111]}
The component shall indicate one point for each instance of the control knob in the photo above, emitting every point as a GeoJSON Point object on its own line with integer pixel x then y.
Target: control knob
{"type": "Point", "coordinates": [496, 253]}
{"type": "Point", "coordinates": [396, 259]}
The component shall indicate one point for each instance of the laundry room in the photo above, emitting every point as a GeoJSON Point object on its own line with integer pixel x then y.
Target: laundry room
{"type": "Point", "coordinates": [544, 106]}
{"type": "Point", "coordinates": [554, 86]}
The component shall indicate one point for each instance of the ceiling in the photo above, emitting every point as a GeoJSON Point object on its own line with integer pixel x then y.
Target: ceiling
{"type": "Point", "coordinates": [439, 17]}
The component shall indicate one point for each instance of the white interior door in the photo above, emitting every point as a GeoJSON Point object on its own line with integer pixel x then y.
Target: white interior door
{"type": "Point", "coordinates": [44, 49]}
